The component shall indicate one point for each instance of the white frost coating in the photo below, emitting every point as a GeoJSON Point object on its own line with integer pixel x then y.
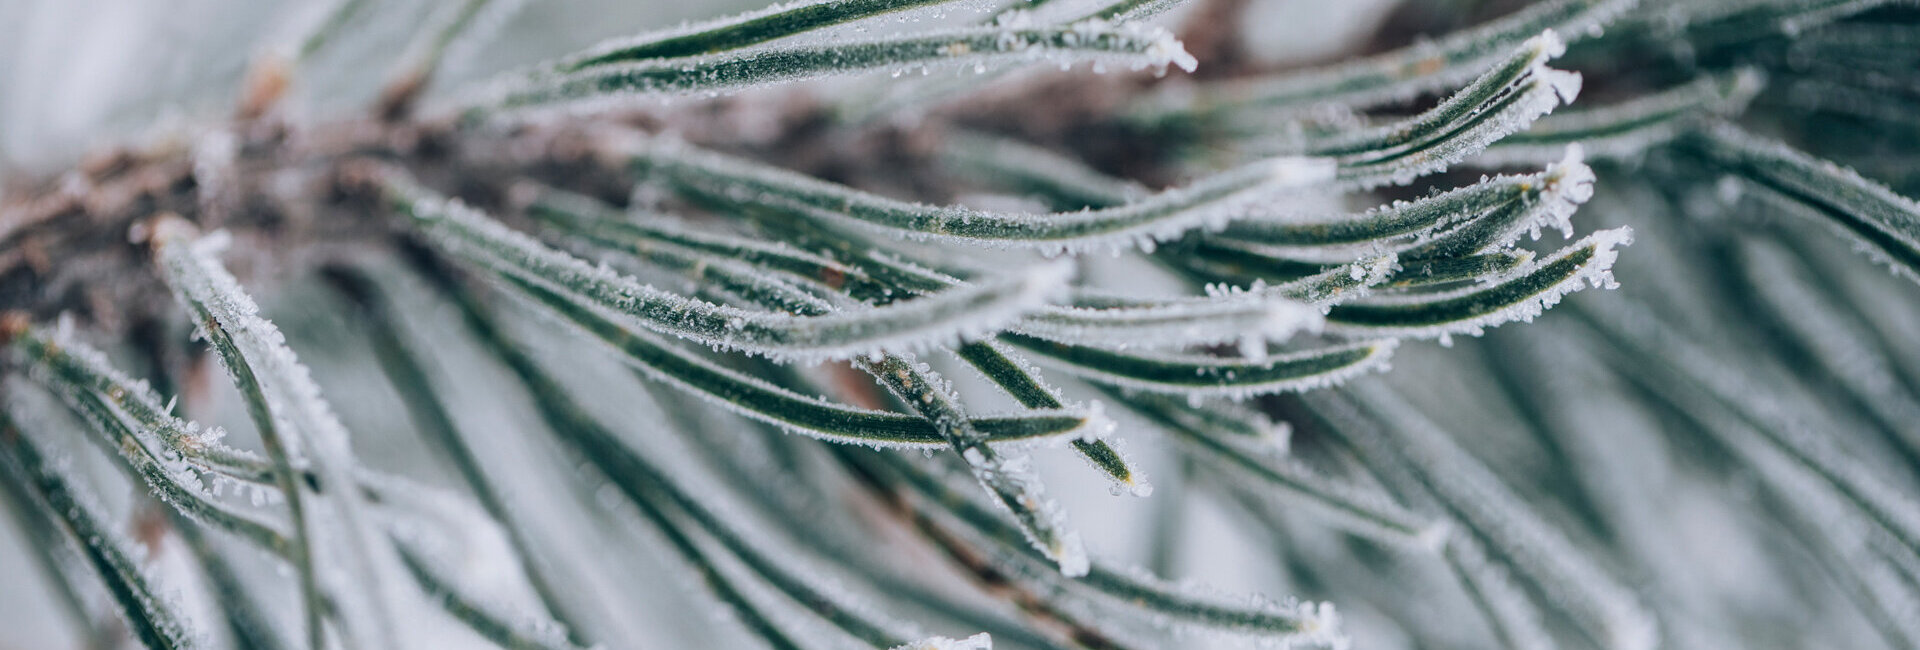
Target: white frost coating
{"type": "Point", "coordinates": [1137, 482]}
{"type": "Point", "coordinates": [199, 446]}
{"type": "Point", "coordinates": [1123, 323]}
{"type": "Point", "coordinates": [1116, 321]}
{"type": "Point", "coordinates": [1347, 282]}
{"type": "Point", "coordinates": [1549, 42]}
{"type": "Point", "coordinates": [169, 476]}
{"type": "Point", "coordinates": [1550, 200]}
{"type": "Point", "coordinates": [117, 554]}
{"type": "Point", "coordinates": [1101, 426]}
{"type": "Point", "coordinates": [569, 81]}
{"type": "Point", "coordinates": [1233, 378]}
{"type": "Point", "coordinates": [1208, 203]}
{"type": "Point", "coordinates": [1460, 56]}
{"type": "Point", "coordinates": [1505, 99]}
{"type": "Point", "coordinates": [1601, 247]}
{"type": "Point", "coordinates": [1008, 477]}
{"type": "Point", "coordinates": [1189, 607]}
{"type": "Point", "coordinates": [963, 313]}
{"type": "Point", "coordinates": [1629, 129]}
{"type": "Point", "coordinates": [1164, 48]}
{"type": "Point", "coordinates": [352, 560]}
{"type": "Point", "coordinates": [1320, 628]}
{"type": "Point", "coordinates": [1471, 117]}
{"type": "Point", "coordinates": [1569, 184]}
{"type": "Point", "coordinates": [1044, 521]}
{"type": "Point", "coordinates": [979, 641]}
{"type": "Point", "coordinates": [1088, 425]}
{"type": "Point", "coordinates": [716, 25]}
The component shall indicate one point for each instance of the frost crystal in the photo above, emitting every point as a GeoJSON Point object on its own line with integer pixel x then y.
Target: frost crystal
{"type": "Point", "coordinates": [976, 642]}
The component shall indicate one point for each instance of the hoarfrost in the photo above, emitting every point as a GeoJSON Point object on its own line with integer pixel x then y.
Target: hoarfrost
{"type": "Point", "coordinates": [976, 642]}
{"type": "Point", "coordinates": [1209, 203]}
{"type": "Point", "coordinates": [963, 313]}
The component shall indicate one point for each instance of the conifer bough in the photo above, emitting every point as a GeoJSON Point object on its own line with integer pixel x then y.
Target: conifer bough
{"type": "Point", "coordinates": [679, 309]}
